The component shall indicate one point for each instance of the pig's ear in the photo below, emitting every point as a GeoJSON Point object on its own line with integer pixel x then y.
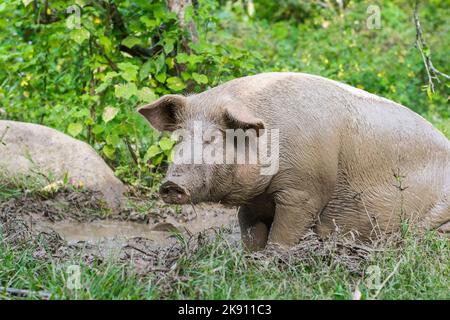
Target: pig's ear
{"type": "Point", "coordinates": [162, 114]}
{"type": "Point", "coordinates": [241, 118]}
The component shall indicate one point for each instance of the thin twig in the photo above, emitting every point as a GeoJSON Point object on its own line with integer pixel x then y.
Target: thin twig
{"type": "Point", "coordinates": [432, 72]}
{"type": "Point", "coordinates": [388, 278]}
{"type": "Point", "coordinates": [25, 293]}
{"type": "Point", "coordinates": [129, 246]}
{"type": "Point", "coordinates": [3, 136]}
{"type": "Point", "coordinates": [132, 153]}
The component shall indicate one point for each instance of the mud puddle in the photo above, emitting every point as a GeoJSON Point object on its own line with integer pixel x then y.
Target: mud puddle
{"type": "Point", "coordinates": [71, 223]}
{"type": "Point", "coordinates": [118, 232]}
{"type": "Point", "coordinates": [101, 230]}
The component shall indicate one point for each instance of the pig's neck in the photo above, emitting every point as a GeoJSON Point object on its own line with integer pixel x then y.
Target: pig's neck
{"type": "Point", "coordinates": [246, 186]}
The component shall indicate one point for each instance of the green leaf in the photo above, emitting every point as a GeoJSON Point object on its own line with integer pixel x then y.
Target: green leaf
{"type": "Point", "coordinates": [151, 152]}
{"type": "Point", "coordinates": [194, 59]}
{"type": "Point", "coordinates": [97, 129]}
{"type": "Point", "coordinates": [166, 143]}
{"type": "Point", "coordinates": [149, 23]}
{"type": "Point", "coordinates": [200, 78]}
{"type": "Point", "coordinates": [171, 155]}
{"type": "Point", "coordinates": [131, 41]}
{"type": "Point", "coordinates": [176, 84]}
{"type": "Point", "coordinates": [128, 71]}
{"type": "Point", "coordinates": [160, 62]}
{"type": "Point", "coordinates": [112, 139]}
{"type": "Point", "coordinates": [186, 75]}
{"type": "Point", "coordinates": [145, 70]}
{"type": "Point", "coordinates": [26, 2]}
{"type": "Point", "coordinates": [102, 87]}
{"type": "Point", "coordinates": [129, 75]}
{"type": "Point", "coordinates": [109, 151]}
{"type": "Point", "coordinates": [125, 91]}
{"type": "Point", "coordinates": [89, 121]}
{"type": "Point", "coordinates": [158, 159]}
{"type": "Point", "coordinates": [106, 43]}
{"type": "Point", "coordinates": [110, 75]}
{"type": "Point", "coordinates": [109, 113]}
{"type": "Point", "coordinates": [74, 129]}
{"type": "Point", "coordinates": [79, 35]}
{"type": "Point", "coordinates": [146, 95]}
{"type": "Point", "coordinates": [161, 77]}
{"type": "Point", "coordinates": [182, 57]}
{"type": "Point", "coordinates": [170, 62]}
{"type": "Point", "coordinates": [201, 47]}
{"type": "Point", "coordinates": [82, 113]}
{"type": "Point", "coordinates": [168, 45]}
{"type": "Point", "coordinates": [66, 178]}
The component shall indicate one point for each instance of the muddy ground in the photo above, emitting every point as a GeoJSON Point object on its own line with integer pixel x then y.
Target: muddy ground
{"type": "Point", "coordinates": [72, 224]}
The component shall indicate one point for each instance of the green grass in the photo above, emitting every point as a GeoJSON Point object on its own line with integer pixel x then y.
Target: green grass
{"type": "Point", "coordinates": [418, 268]}
{"type": "Point", "coordinates": [219, 270]}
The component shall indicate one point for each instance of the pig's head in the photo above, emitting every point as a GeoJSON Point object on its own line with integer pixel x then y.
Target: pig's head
{"type": "Point", "coordinates": [199, 173]}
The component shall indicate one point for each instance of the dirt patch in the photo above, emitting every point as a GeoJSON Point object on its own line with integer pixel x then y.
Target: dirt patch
{"type": "Point", "coordinates": [65, 204]}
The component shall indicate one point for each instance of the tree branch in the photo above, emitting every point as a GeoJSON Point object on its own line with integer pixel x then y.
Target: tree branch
{"type": "Point", "coordinates": [432, 72]}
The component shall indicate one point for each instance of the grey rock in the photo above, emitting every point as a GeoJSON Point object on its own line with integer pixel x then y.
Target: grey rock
{"type": "Point", "coordinates": [29, 149]}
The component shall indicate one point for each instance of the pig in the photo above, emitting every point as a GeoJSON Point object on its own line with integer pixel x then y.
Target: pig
{"type": "Point", "coordinates": [349, 161]}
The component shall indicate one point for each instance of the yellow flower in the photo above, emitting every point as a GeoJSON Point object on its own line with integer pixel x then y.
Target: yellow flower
{"type": "Point", "coordinates": [53, 187]}
{"type": "Point", "coordinates": [97, 20]}
{"type": "Point", "coordinates": [49, 11]}
{"type": "Point", "coordinates": [23, 83]}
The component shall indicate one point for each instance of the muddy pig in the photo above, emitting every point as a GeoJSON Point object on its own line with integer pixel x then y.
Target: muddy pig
{"type": "Point", "coordinates": [347, 160]}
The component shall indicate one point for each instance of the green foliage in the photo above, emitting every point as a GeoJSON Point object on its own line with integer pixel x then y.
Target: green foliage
{"type": "Point", "coordinates": [87, 76]}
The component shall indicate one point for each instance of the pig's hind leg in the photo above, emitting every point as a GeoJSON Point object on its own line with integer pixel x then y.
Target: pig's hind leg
{"type": "Point", "coordinates": [255, 220]}
{"type": "Point", "coordinates": [254, 233]}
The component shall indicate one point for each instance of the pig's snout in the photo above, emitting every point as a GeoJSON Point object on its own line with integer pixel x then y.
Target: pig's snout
{"type": "Point", "coordinates": [172, 192]}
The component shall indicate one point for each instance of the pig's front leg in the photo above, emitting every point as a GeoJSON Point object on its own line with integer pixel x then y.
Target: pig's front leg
{"type": "Point", "coordinates": [295, 213]}
{"type": "Point", "coordinates": [254, 232]}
